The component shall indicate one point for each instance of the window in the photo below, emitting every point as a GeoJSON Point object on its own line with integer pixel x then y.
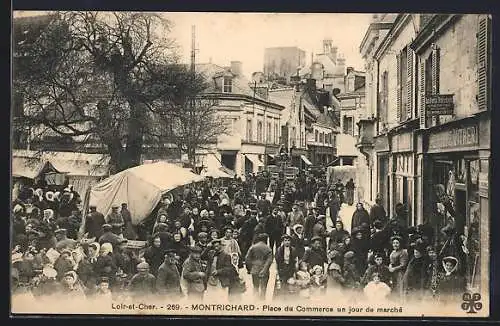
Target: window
{"type": "Point", "coordinates": [322, 138]}
{"type": "Point", "coordinates": [316, 136]}
{"type": "Point", "coordinates": [431, 82]}
{"type": "Point", "coordinates": [348, 125]}
{"type": "Point", "coordinates": [294, 136]}
{"type": "Point", "coordinates": [484, 63]}
{"type": "Point", "coordinates": [228, 85]}
{"type": "Point", "coordinates": [249, 130]}
{"type": "Point", "coordinates": [259, 132]}
{"type": "Point", "coordinates": [402, 77]}
{"type": "Point", "coordinates": [334, 141]}
{"type": "Point", "coordinates": [276, 133]}
{"type": "Point", "coordinates": [350, 83]}
{"type": "Point", "coordinates": [269, 133]}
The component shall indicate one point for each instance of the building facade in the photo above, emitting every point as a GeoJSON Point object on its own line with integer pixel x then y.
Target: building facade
{"type": "Point", "coordinates": [429, 141]}
{"type": "Point", "coordinates": [254, 123]}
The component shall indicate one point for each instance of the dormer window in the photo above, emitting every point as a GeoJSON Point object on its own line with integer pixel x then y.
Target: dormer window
{"type": "Point", "coordinates": [227, 86]}
{"type": "Point", "coordinates": [350, 84]}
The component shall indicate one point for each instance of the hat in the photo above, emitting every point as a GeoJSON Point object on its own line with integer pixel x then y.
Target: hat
{"type": "Point", "coordinates": [316, 238]}
{"type": "Point", "coordinates": [396, 237]}
{"type": "Point", "coordinates": [170, 252]}
{"type": "Point", "coordinates": [202, 234]}
{"type": "Point", "coordinates": [72, 274]}
{"type": "Point", "coordinates": [107, 226]}
{"type": "Point", "coordinates": [378, 255]}
{"type": "Point", "coordinates": [262, 237]}
{"type": "Point", "coordinates": [349, 255]}
{"type": "Point", "coordinates": [228, 227]}
{"type": "Point", "coordinates": [285, 236]}
{"type": "Point", "coordinates": [320, 217]}
{"type": "Point", "coordinates": [115, 206]}
{"type": "Point", "coordinates": [450, 259]}
{"type": "Point", "coordinates": [317, 267]}
{"type": "Point", "coordinates": [142, 266]}
{"type": "Point", "coordinates": [104, 280]}
{"type": "Point", "coordinates": [60, 231]}
{"type": "Point", "coordinates": [196, 249]}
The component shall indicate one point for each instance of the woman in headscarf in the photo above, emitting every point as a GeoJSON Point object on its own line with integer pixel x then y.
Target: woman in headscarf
{"type": "Point", "coordinates": [71, 286]}
{"type": "Point", "coordinates": [415, 277]}
{"type": "Point", "coordinates": [298, 241]}
{"type": "Point", "coordinates": [64, 263]}
{"type": "Point", "coordinates": [47, 229]}
{"type": "Point", "coordinates": [237, 285]}
{"type": "Point", "coordinates": [154, 255]}
{"type": "Point", "coordinates": [86, 270]}
{"type": "Point", "coordinates": [105, 265]}
{"type": "Point", "coordinates": [451, 285]}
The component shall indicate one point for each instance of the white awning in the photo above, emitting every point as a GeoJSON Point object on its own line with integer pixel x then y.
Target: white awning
{"type": "Point", "coordinates": [305, 159]}
{"type": "Point", "coordinates": [254, 159]}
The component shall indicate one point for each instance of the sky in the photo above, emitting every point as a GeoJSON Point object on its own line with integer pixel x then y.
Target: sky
{"type": "Point", "coordinates": [225, 37]}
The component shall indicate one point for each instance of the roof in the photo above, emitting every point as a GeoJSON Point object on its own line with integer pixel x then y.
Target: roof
{"type": "Point", "coordinates": [71, 163]}
{"type": "Point", "coordinates": [322, 119]}
{"type": "Point", "coordinates": [240, 83]}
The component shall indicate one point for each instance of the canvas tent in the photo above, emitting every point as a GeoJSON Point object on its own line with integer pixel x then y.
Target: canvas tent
{"type": "Point", "coordinates": [344, 173]}
{"type": "Point", "coordinates": [141, 187]}
{"type": "Point", "coordinates": [218, 173]}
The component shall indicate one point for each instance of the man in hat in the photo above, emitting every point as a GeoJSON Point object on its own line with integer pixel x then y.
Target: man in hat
{"type": "Point", "coordinates": [168, 279]}
{"type": "Point", "coordinates": [316, 255]}
{"type": "Point", "coordinates": [129, 232]}
{"type": "Point", "coordinates": [286, 259]}
{"type": "Point", "coordinates": [202, 241]}
{"type": "Point", "coordinates": [114, 218]}
{"type": "Point", "coordinates": [319, 229]}
{"type": "Point", "coordinates": [63, 242]}
{"type": "Point", "coordinates": [275, 227]}
{"type": "Point", "coordinates": [228, 243]}
{"type": "Point", "coordinates": [415, 276]}
{"type": "Point", "coordinates": [94, 222]}
{"type": "Point", "coordinates": [263, 204]}
{"type": "Point", "coordinates": [377, 211]}
{"type": "Point", "coordinates": [193, 274]}
{"type": "Point", "coordinates": [143, 282]}
{"type": "Point", "coordinates": [166, 237]}
{"type": "Point", "coordinates": [258, 261]}
{"type": "Point", "coordinates": [109, 236]}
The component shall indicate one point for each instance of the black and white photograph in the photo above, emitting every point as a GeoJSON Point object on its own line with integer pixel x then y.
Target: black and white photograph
{"type": "Point", "coordinates": [250, 164]}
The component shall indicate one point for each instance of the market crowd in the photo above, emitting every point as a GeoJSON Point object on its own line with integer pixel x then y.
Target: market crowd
{"type": "Point", "coordinates": [203, 239]}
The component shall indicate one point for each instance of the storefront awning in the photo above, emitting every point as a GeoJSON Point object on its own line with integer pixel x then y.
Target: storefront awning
{"type": "Point", "coordinates": [254, 159]}
{"type": "Point", "coordinates": [305, 159]}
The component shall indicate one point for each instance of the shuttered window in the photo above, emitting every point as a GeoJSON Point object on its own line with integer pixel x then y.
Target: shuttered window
{"type": "Point", "coordinates": [421, 90]}
{"type": "Point", "coordinates": [435, 69]}
{"type": "Point", "coordinates": [398, 95]}
{"type": "Point", "coordinates": [484, 63]}
{"type": "Point", "coordinates": [409, 84]}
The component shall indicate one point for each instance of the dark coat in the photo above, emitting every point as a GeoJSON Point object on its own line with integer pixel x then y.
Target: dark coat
{"type": "Point", "coordinates": [105, 267]}
{"type": "Point", "coordinates": [337, 236]}
{"type": "Point", "coordinates": [286, 271]}
{"type": "Point", "coordinates": [315, 257]}
{"type": "Point", "coordinates": [111, 238]}
{"type": "Point", "coordinates": [377, 212]}
{"type": "Point", "coordinates": [274, 226]}
{"type": "Point", "coordinates": [415, 277]}
{"type": "Point", "coordinates": [259, 258]}
{"type": "Point", "coordinates": [154, 257]}
{"type": "Point", "coordinates": [299, 245]}
{"type": "Point", "coordinates": [359, 217]}
{"type": "Point", "coordinates": [93, 224]}
{"type": "Point", "coordinates": [168, 280]}
{"type": "Point", "coordinates": [382, 270]}
{"type": "Point", "coordinates": [142, 285]}
{"type": "Point", "coordinates": [223, 267]}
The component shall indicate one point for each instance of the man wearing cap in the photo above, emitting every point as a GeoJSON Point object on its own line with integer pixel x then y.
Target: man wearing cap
{"type": "Point", "coordinates": [275, 227]}
{"type": "Point", "coordinates": [258, 261]}
{"type": "Point", "coordinates": [193, 274]}
{"type": "Point", "coordinates": [109, 236]}
{"type": "Point", "coordinates": [263, 204]}
{"type": "Point", "coordinates": [219, 268]}
{"type": "Point", "coordinates": [94, 222]}
{"type": "Point", "coordinates": [316, 255]}
{"type": "Point", "coordinates": [143, 282]}
{"type": "Point", "coordinates": [168, 279]}
{"type": "Point", "coordinates": [319, 229]}
{"type": "Point", "coordinates": [63, 242]}
{"type": "Point", "coordinates": [129, 232]}
{"type": "Point", "coordinates": [286, 259]}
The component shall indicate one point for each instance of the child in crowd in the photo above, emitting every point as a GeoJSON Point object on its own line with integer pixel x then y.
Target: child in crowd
{"type": "Point", "coordinates": [318, 280]}
{"type": "Point", "coordinates": [376, 289]}
{"type": "Point", "coordinates": [303, 280]}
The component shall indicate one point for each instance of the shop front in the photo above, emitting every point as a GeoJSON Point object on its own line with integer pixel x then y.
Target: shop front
{"type": "Point", "coordinates": [458, 172]}
{"type": "Point", "coordinates": [299, 158]}
{"type": "Point", "coordinates": [403, 174]}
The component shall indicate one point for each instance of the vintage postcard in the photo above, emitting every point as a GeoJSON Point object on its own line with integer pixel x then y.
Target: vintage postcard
{"type": "Point", "coordinates": [251, 164]}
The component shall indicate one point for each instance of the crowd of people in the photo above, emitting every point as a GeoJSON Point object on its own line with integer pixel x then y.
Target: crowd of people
{"type": "Point", "coordinates": [202, 241]}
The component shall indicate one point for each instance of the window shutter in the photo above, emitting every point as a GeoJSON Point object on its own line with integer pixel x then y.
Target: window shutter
{"type": "Point", "coordinates": [409, 84]}
{"type": "Point", "coordinates": [398, 94]}
{"type": "Point", "coordinates": [483, 58]}
{"type": "Point", "coordinates": [421, 89]}
{"type": "Point", "coordinates": [435, 69]}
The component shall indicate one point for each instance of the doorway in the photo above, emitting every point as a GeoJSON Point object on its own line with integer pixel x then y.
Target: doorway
{"type": "Point", "coordinates": [229, 161]}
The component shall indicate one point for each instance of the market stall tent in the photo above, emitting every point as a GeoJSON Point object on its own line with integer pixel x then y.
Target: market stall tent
{"type": "Point", "coordinates": [141, 187]}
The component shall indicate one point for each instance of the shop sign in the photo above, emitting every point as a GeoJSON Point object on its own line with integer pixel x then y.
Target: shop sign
{"type": "Point", "coordinates": [402, 142]}
{"type": "Point", "coordinates": [439, 104]}
{"type": "Point", "coordinates": [483, 184]}
{"type": "Point", "coordinates": [381, 144]}
{"type": "Point", "coordinates": [454, 138]}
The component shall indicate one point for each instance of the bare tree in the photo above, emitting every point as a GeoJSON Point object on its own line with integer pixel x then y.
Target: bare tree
{"type": "Point", "coordinates": [109, 78]}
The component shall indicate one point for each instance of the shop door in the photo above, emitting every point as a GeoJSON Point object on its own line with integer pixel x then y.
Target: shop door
{"type": "Point", "coordinates": [461, 209]}
{"type": "Point", "coordinates": [405, 197]}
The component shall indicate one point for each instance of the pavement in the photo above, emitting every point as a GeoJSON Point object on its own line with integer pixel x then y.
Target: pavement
{"type": "Point", "coordinates": [346, 212]}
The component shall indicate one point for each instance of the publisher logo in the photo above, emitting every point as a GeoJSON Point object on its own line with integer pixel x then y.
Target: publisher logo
{"type": "Point", "coordinates": [472, 303]}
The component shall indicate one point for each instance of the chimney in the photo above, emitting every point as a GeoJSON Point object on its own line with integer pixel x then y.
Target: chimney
{"type": "Point", "coordinates": [327, 46]}
{"type": "Point", "coordinates": [236, 67]}
{"type": "Point", "coordinates": [349, 70]}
